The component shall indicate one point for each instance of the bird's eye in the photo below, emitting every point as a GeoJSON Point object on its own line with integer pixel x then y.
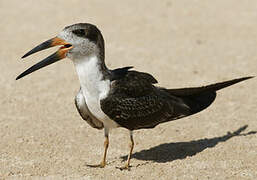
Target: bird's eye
{"type": "Point", "coordinates": [79, 32]}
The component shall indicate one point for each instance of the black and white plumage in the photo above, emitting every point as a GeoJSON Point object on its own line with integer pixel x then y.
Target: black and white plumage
{"type": "Point", "coordinates": [135, 103]}
{"type": "Point", "coordinates": [84, 112]}
{"type": "Point", "coordinates": [121, 97]}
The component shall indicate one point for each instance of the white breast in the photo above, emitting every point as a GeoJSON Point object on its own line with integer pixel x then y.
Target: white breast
{"type": "Point", "coordinates": [94, 87]}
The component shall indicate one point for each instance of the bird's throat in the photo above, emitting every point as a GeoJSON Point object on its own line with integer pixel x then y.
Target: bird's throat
{"type": "Point", "coordinates": [91, 77]}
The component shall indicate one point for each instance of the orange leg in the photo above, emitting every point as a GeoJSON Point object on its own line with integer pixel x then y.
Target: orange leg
{"type": "Point", "coordinates": [131, 145]}
{"type": "Point", "coordinates": [106, 145]}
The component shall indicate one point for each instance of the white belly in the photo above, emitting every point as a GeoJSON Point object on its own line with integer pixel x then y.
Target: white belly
{"type": "Point", "coordinates": [94, 88]}
{"type": "Point", "coordinates": [95, 108]}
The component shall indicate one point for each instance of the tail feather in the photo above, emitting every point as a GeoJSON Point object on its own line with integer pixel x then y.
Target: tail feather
{"type": "Point", "coordinates": [199, 102]}
{"type": "Point", "coordinates": [212, 87]}
{"type": "Point", "coordinates": [199, 98]}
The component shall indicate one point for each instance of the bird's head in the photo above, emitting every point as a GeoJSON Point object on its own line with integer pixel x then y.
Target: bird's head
{"type": "Point", "coordinates": [77, 41]}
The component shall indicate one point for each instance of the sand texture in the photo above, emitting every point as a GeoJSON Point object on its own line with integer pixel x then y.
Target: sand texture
{"type": "Point", "coordinates": [181, 43]}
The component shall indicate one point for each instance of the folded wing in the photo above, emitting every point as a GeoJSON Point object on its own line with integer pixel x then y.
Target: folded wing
{"type": "Point", "coordinates": [134, 102]}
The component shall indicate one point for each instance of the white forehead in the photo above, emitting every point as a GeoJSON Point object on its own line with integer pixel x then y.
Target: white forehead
{"type": "Point", "coordinates": [69, 37]}
{"type": "Point", "coordinates": [81, 46]}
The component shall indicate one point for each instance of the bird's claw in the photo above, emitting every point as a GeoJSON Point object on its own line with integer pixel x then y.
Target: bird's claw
{"type": "Point", "coordinates": [126, 167]}
{"type": "Point", "coordinates": [101, 165]}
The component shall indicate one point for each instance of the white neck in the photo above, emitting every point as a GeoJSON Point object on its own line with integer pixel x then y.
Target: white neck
{"type": "Point", "coordinates": [91, 77]}
{"type": "Point", "coordinates": [94, 87]}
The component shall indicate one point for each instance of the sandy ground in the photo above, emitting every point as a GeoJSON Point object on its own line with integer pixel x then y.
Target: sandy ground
{"type": "Point", "coordinates": [182, 43]}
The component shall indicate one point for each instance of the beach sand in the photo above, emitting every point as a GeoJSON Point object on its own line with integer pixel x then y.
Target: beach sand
{"type": "Point", "coordinates": [181, 43]}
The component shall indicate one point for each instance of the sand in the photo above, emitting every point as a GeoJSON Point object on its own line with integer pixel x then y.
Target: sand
{"type": "Point", "coordinates": [182, 43]}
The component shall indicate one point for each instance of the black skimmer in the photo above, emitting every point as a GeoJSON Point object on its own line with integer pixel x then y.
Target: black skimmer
{"type": "Point", "coordinates": [122, 97]}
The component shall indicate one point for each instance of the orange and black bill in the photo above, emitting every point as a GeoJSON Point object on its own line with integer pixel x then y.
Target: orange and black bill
{"type": "Point", "coordinates": [60, 54]}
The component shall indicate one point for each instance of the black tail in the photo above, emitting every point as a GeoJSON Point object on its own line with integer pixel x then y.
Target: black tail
{"type": "Point", "coordinates": [200, 98]}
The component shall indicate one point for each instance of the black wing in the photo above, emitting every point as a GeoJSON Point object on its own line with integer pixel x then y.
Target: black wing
{"type": "Point", "coordinates": [199, 98]}
{"type": "Point", "coordinates": [135, 103]}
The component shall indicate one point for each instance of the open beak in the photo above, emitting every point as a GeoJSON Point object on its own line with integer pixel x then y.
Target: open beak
{"type": "Point", "coordinates": [60, 54]}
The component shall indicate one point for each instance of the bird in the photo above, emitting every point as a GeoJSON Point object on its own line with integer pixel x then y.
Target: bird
{"type": "Point", "coordinates": [121, 97]}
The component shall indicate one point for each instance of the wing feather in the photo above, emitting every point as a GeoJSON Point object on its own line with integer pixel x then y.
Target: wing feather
{"type": "Point", "coordinates": [135, 103]}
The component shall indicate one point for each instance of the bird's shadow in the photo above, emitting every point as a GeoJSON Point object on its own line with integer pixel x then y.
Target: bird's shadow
{"type": "Point", "coordinates": [168, 152]}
